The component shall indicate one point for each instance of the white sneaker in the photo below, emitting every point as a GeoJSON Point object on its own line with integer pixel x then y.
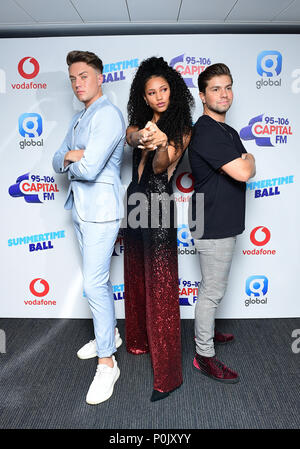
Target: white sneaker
{"type": "Point", "coordinates": [102, 386]}
{"type": "Point", "coordinates": [89, 350]}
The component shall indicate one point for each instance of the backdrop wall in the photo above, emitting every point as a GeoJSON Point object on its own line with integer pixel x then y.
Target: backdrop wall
{"type": "Point", "coordinates": [41, 264]}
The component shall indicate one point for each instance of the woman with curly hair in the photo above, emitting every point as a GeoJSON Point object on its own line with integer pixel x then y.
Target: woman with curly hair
{"type": "Point", "coordinates": [159, 130]}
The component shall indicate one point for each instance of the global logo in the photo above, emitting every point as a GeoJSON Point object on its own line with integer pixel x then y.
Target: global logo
{"type": "Point", "coordinates": [39, 287]}
{"type": "Point", "coordinates": [257, 285]}
{"type": "Point", "coordinates": [269, 63]}
{"type": "Point", "coordinates": [31, 73]}
{"type": "Point", "coordinates": [30, 125]}
{"type": "Point", "coordinates": [184, 237]}
{"type": "Point", "coordinates": [256, 290]}
{"type": "Point", "coordinates": [267, 130]}
{"type": "Point", "coordinates": [260, 236]}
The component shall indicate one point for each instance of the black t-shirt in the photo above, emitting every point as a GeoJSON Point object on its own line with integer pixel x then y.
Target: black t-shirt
{"type": "Point", "coordinates": [213, 145]}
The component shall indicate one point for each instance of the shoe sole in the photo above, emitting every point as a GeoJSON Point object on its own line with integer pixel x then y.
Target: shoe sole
{"type": "Point", "coordinates": [109, 393]}
{"type": "Point", "coordinates": [224, 381]}
{"type": "Point", "coordinates": [94, 354]}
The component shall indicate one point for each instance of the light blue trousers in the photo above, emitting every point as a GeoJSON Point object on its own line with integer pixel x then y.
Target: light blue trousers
{"type": "Point", "coordinates": [215, 262]}
{"type": "Point", "coordinates": [96, 242]}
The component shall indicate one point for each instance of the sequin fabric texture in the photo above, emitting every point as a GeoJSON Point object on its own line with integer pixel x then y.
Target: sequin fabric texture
{"type": "Point", "coordinates": [151, 279]}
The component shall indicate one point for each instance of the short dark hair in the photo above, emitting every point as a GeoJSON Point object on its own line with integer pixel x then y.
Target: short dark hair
{"type": "Point", "coordinates": [211, 71]}
{"type": "Point", "coordinates": [85, 56]}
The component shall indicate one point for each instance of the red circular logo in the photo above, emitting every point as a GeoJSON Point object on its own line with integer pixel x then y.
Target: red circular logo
{"type": "Point", "coordinates": [42, 282]}
{"type": "Point", "coordinates": [179, 183]}
{"type": "Point", "coordinates": [263, 242]}
{"type": "Point", "coordinates": [36, 68]}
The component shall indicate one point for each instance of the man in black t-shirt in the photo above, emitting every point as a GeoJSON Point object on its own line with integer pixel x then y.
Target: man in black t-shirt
{"type": "Point", "coordinates": [220, 167]}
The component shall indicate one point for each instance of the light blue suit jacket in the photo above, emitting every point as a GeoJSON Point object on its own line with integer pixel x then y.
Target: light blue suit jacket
{"type": "Point", "coordinates": [95, 185]}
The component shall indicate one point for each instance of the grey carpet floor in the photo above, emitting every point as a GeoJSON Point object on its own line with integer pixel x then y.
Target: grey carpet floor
{"type": "Point", "coordinates": [43, 384]}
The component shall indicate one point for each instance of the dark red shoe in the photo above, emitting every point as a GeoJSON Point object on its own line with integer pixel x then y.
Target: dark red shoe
{"type": "Point", "coordinates": [222, 339]}
{"type": "Point", "coordinates": [213, 368]}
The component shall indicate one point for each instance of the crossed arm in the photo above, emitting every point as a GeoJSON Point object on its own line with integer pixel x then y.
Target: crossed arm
{"type": "Point", "coordinates": [241, 168]}
{"type": "Point", "coordinates": [73, 156]}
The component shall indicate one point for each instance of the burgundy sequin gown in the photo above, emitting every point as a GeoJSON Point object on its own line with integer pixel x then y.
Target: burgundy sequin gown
{"type": "Point", "coordinates": [151, 284]}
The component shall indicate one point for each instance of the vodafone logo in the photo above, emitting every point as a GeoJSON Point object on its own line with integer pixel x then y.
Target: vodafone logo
{"type": "Point", "coordinates": [39, 287]}
{"type": "Point", "coordinates": [260, 236]}
{"type": "Point", "coordinates": [182, 185]}
{"type": "Point", "coordinates": [34, 69]}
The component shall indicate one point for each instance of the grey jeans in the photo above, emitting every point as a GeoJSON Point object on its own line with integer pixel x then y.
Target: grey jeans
{"type": "Point", "coordinates": [215, 262]}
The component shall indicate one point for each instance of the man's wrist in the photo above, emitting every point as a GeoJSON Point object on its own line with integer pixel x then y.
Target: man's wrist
{"type": "Point", "coordinates": [163, 148]}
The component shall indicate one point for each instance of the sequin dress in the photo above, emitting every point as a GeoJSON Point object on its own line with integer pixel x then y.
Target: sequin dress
{"type": "Point", "coordinates": [151, 281]}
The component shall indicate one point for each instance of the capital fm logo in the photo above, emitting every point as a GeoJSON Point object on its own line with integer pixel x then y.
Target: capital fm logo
{"type": "Point", "coordinates": [119, 247]}
{"type": "Point", "coordinates": [190, 67]}
{"type": "Point", "coordinates": [260, 236]}
{"type": "Point", "coordinates": [39, 288]}
{"type": "Point", "coordinates": [28, 69]}
{"type": "Point", "coordinates": [188, 292]}
{"type": "Point", "coordinates": [34, 188]}
{"type": "Point", "coordinates": [256, 290]}
{"type": "Point", "coordinates": [267, 130]}
{"type": "Point", "coordinates": [269, 67]}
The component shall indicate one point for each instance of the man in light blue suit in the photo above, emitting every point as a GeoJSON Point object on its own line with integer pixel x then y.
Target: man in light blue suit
{"type": "Point", "coordinates": [91, 154]}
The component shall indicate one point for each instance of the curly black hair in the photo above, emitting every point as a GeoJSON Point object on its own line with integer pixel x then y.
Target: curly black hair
{"type": "Point", "coordinates": [176, 121]}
